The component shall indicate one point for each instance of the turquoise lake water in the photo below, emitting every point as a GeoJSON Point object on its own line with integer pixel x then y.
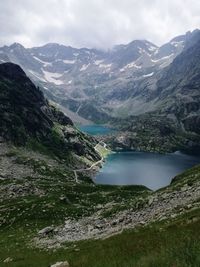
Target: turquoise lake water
{"type": "Point", "coordinates": [137, 168]}
{"type": "Point", "coordinates": [95, 129]}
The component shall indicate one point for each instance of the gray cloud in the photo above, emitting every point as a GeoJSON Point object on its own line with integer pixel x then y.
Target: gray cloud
{"type": "Point", "coordinates": [95, 23]}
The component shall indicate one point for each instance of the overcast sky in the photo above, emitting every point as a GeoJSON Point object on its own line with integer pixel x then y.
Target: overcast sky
{"type": "Point", "coordinates": [95, 23]}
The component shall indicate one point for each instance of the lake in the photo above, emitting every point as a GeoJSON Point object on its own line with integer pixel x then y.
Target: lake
{"type": "Point", "coordinates": [152, 170]}
{"type": "Point", "coordinates": [95, 129]}
{"type": "Point", "coordinates": [139, 168]}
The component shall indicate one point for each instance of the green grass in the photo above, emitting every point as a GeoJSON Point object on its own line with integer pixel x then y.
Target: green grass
{"type": "Point", "coordinates": [25, 216]}
{"type": "Point", "coordinates": [166, 244]}
{"type": "Point", "coordinates": [163, 244]}
{"type": "Point", "coordinates": [104, 152]}
{"type": "Point", "coordinates": [81, 200]}
{"type": "Point", "coordinates": [192, 173]}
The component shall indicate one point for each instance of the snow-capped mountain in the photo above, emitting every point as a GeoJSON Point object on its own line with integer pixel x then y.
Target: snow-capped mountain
{"type": "Point", "coordinates": [96, 84]}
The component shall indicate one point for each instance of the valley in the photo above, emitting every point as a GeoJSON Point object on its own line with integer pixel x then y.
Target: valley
{"type": "Point", "coordinates": [47, 217]}
{"type": "Point", "coordinates": [127, 87]}
{"type": "Point", "coordinates": [99, 154]}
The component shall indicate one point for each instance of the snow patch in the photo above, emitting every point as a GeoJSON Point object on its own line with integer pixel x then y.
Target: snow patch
{"type": "Point", "coordinates": [43, 62]}
{"type": "Point", "coordinates": [156, 52]}
{"type": "Point", "coordinates": [53, 77]}
{"type": "Point", "coordinates": [163, 58]}
{"type": "Point", "coordinates": [97, 62]}
{"type": "Point", "coordinates": [148, 75]}
{"type": "Point", "coordinates": [122, 70]}
{"type": "Point", "coordinates": [84, 67]}
{"type": "Point", "coordinates": [106, 66]}
{"type": "Point", "coordinates": [142, 51]}
{"type": "Point", "coordinates": [68, 61]}
{"type": "Point", "coordinates": [152, 48]}
{"type": "Point", "coordinates": [36, 75]}
{"type": "Point", "coordinates": [176, 44]}
{"type": "Point", "coordinates": [132, 65]}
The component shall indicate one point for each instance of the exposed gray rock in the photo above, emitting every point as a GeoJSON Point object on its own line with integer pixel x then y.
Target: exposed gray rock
{"type": "Point", "coordinates": [165, 206]}
{"type": "Point", "coordinates": [61, 264]}
{"type": "Point", "coordinates": [46, 231]}
{"type": "Point", "coordinates": [7, 260]}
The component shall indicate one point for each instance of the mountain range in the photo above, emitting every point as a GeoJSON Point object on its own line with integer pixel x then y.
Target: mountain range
{"type": "Point", "coordinates": [128, 85]}
{"type": "Point", "coordinates": [98, 85]}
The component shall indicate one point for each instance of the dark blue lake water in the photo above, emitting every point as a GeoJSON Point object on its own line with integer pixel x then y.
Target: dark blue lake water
{"type": "Point", "coordinates": [95, 129]}
{"type": "Point", "coordinates": [138, 168]}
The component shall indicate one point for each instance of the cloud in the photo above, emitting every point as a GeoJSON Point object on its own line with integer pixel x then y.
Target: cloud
{"type": "Point", "coordinates": [95, 23]}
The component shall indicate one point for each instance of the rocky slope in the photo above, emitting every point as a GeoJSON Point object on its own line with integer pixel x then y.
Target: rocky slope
{"type": "Point", "coordinates": [167, 204]}
{"type": "Point", "coordinates": [174, 124]}
{"type": "Point", "coordinates": [28, 119]}
{"type": "Point", "coordinates": [153, 132]}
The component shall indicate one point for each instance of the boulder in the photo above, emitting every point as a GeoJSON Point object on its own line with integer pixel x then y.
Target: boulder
{"type": "Point", "coordinates": [151, 199]}
{"type": "Point", "coordinates": [8, 260]}
{"type": "Point", "coordinates": [61, 264]}
{"type": "Point", "coordinates": [46, 231]}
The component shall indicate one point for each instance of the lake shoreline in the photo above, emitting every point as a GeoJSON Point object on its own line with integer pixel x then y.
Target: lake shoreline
{"type": "Point", "coordinates": [144, 166]}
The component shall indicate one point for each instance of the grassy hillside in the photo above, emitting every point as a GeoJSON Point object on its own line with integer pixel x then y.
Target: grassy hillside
{"type": "Point", "coordinates": [168, 241]}
{"type": "Point", "coordinates": [164, 244]}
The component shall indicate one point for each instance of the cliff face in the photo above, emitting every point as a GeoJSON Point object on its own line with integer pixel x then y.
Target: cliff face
{"type": "Point", "coordinates": [26, 115]}
{"type": "Point", "coordinates": [22, 106]}
{"type": "Point", "coordinates": [179, 89]}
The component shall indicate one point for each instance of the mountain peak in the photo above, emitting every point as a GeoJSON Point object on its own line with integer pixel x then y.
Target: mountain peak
{"type": "Point", "coordinates": [50, 45]}
{"type": "Point", "coordinates": [17, 46]}
{"type": "Point", "coordinates": [55, 46]}
{"type": "Point", "coordinates": [141, 42]}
